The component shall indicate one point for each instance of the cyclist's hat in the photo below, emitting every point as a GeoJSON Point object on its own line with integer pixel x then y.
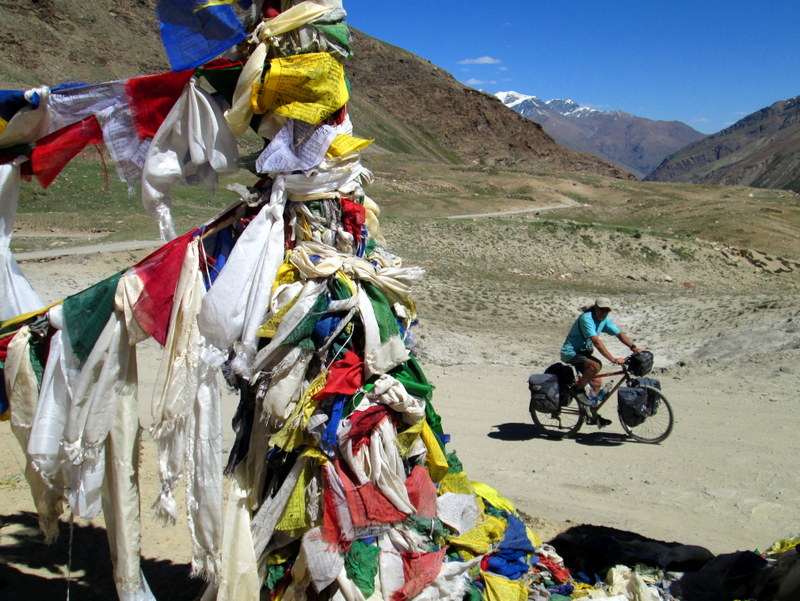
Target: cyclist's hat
{"type": "Point", "coordinates": [603, 302]}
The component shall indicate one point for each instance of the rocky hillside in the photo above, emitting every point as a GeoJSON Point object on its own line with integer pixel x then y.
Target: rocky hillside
{"type": "Point", "coordinates": [635, 143]}
{"type": "Point", "coordinates": [410, 107]}
{"type": "Point", "coordinates": [762, 150]}
{"type": "Point", "coordinates": [45, 42]}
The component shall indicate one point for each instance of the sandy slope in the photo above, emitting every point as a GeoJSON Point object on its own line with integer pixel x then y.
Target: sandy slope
{"type": "Point", "coordinates": [726, 479]}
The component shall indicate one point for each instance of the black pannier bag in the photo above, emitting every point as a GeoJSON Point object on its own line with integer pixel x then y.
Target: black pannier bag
{"type": "Point", "coordinates": [633, 404]}
{"type": "Point", "coordinates": [566, 378]}
{"type": "Point", "coordinates": [641, 363]}
{"type": "Point", "coordinates": [544, 392]}
{"type": "Point", "coordinates": [651, 382]}
{"type": "Point", "coordinates": [652, 397]}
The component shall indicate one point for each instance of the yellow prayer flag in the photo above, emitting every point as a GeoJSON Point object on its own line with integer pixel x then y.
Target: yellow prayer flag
{"type": "Point", "coordinates": [293, 432]}
{"type": "Point", "coordinates": [533, 537]}
{"type": "Point", "coordinates": [435, 460]}
{"type": "Point", "coordinates": [295, 515]}
{"type": "Point", "coordinates": [405, 440]}
{"type": "Point", "coordinates": [458, 483]}
{"type": "Point", "coordinates": [309, 87]}
{"type": "Point", "coordinates": [480, 539]}
{"type": "Point", "coordinates": [493, 497]}
{"type": "Point", "coordinates": [499, 588]}
{"type": "Point", "coordinates": [347, 281]}
{"type": "Point", "coordinates": [344, 144]}
{"type": "Point", "coordinates": [25, 316]}
{"type": "Point", "coordinates": [287, 274]}
{"type": "Point", "coordinates": [270, 327]}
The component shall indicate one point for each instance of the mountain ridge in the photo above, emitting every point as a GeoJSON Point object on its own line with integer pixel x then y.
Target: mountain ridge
{"type": "Point", "coordinates": [761, 150]}
{"type": "Point", "coordinates": [634, 143]}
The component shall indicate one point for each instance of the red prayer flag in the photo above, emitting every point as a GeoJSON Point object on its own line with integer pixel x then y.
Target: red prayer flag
{"type": "Point", "coordinates": [55, 150]}
{"type": "Point", "coordinates": [363, 424]}
{"type": "Point", "coordinates": [422, 492]}
{"type": "Point", "coordinates": [159, 273]}
{"type": "Point", "coordinates": [419, 570]}
{"type": "Point", "coordinates": [367, 504]}
{"type": "Point", "coordinates": [4, 342]}
{"type": "Point", "coordinates": [346, 376]}
{"type": "Point", "coordinates": [353, 217]}
{"type": "Point", "coordinates": [151, 99]}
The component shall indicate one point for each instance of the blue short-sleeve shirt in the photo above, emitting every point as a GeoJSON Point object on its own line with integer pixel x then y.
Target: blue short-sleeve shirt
{"type": "Point", "coordinates": [579, 338]}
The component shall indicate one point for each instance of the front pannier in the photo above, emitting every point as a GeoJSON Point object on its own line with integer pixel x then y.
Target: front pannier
{"type": "Point", "coordinates": [651, 382]}
{"type": "Point", "coordinates": [544, 392]}
{"type": "Point", "coordinates": [633, 404]}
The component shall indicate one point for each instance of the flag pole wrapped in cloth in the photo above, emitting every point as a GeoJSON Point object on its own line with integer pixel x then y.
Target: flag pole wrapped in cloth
{"type": "Point", "coordinates": [342, 484]}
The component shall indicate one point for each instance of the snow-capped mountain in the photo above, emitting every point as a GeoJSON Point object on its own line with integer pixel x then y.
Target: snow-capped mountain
{"type": "Point", "coordinates": [636, 143]}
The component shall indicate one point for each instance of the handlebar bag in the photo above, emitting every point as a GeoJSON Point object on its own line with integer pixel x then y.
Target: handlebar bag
{"type": "Point", "coordinates": [544, 392]}
{"type": "Point", "coordinates": [641, 363]}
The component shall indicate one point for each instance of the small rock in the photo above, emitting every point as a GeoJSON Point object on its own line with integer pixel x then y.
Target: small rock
{"type": "Point", "coordinates": [785, 370]}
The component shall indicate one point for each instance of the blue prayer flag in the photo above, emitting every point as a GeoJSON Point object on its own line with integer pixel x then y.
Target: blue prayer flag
{"type": "Point", "coordinates": [193, 34]}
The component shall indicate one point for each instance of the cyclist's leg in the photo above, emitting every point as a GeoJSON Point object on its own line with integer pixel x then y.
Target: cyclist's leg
{"type": "Point", "coordinates": [588, 366]}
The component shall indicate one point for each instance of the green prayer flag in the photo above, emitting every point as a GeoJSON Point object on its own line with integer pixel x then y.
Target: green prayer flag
{"type": "Point", "coordinates": [86, 314]}
{"type": "Point", "coordinates": [361, 565]}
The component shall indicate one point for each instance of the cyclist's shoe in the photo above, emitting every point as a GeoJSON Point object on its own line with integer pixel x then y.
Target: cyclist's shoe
{"type": "Point", "coordinates": [602, 422]}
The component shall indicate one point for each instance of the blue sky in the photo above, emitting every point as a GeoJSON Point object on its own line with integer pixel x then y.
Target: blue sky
{"type": "Point", "coordinates": [706, 63]}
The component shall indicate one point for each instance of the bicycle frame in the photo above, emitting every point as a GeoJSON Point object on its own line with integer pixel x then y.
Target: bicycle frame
{"type": "Point", "coordinates": [625, 377]}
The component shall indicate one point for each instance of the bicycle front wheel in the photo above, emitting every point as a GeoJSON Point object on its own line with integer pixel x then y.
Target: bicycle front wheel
{"type": "Point", "coordinates": [559, 424]}
{"type": "Point", "coordinates": [652, 427]}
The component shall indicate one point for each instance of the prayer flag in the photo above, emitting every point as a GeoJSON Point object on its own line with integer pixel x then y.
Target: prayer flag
{"type": "Point", "coordinates": [193, 32]}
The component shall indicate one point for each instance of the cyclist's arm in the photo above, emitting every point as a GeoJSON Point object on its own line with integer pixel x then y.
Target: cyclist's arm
{"type": "Point", "coordinates": [601, 348]}
{"type": "Point", "coordinates": [623, 338]}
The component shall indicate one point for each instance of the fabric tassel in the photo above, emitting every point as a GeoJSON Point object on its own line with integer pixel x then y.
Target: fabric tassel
{"type": "Point", "coordinates": [23, 391]}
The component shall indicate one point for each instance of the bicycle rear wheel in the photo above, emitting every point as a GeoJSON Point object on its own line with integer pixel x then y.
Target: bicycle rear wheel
{"type": "Point", "coordinates": [653, 427]}
{"type": "Point", "coordinates": [559, 424]}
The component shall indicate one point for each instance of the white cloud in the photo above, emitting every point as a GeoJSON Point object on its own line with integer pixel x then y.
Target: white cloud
{"type": "Point", "coordinates": [483, 60]}
{"type": "Point", "coordinates": [503, 68]}
{"type": "Point", "coordinates": [478, 82]}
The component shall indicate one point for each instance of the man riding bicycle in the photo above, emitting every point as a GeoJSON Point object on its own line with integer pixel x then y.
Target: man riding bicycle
{"type": "Point", "coordinates": [581, 341]}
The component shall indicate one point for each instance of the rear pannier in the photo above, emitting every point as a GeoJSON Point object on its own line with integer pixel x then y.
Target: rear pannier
{"type": "Point", "coordinates": [544, 392]}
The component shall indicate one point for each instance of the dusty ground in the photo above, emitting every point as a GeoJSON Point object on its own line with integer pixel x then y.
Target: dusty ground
{"type": "Point", "coordinates": [726, 336]}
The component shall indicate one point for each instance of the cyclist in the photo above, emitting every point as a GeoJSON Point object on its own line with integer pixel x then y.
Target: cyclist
{"type": "Point", "coordinates": [583, 338]}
